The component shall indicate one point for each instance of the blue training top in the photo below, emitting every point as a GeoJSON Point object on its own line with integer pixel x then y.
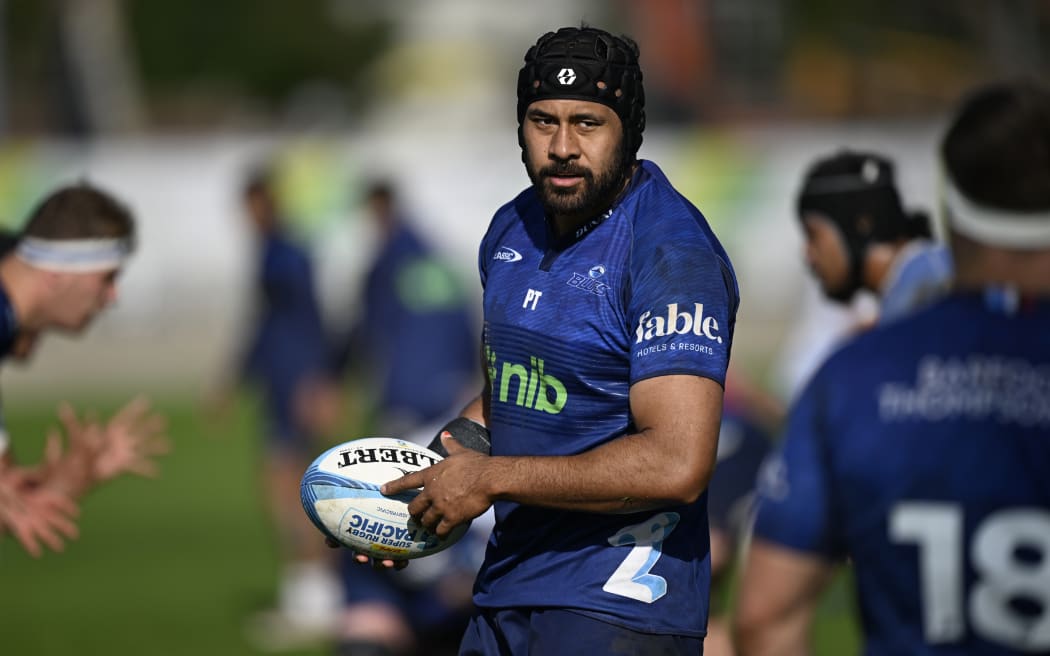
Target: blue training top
{"type": "Point", "coordinates": [743, 445]}
{"type": "Point", "coordinates": [418, 328]}
{"type": "Point", "coordinates": [646, 290]}
{"type": "Point", "coordinates": [921, 274]}
{"type": "Point", "coordinates": [921, 450]}
{"type": "Point", "coordinates": [289, 343]}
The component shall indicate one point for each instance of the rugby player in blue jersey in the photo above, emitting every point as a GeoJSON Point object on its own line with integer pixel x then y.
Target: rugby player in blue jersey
{"type": "Point", "coordinates": [921, 450]}
{"type": "Point", "coordinates": [58, 274]}
{"type": "Point", "coordinates": [285, 354]}
{"type": "Point", "coordinates": [415, 341]}
{"type": "Point", "coordinates": [744, 441]}
{"type": "Point", "coordinates": [609, 309]}
{"type": "Point", "coordinates": [859, 236]}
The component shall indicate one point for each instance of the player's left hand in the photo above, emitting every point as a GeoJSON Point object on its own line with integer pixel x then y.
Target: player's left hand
{"type": "Point", "coordinates": [454, 489]}
{"type": "Point", "coordinates": [364, 559]}
{"type": "Point", "coordinates": [130, 441]}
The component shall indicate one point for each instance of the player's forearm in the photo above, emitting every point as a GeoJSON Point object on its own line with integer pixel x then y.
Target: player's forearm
{"type": "Point", "coordinates": [633, 473]}
{"type": "Point", "coordinates": [777, 599]}
{"type": "Point", "coordinates": [475, 411]}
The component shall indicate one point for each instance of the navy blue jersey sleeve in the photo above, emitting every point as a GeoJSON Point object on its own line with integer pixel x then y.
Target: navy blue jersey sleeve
{"type": "Point", "coordinates": [682, 303]}
{"type": "Point", "coordinates": [794, 505]}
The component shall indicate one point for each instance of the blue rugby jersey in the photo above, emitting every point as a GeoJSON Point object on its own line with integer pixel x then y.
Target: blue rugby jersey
{"type": "Point", "coordinates": [921, 274]}
{"type": "Point", "coordinates": [288, 343]}
{"type": "Point", "coordinates": [412, 301]}
{"type": "Point", "coordinates": [648, 291]}
{"type": "Point", "coordinates": [922, 451]}
{"type": "Point", "coordinates": [743, 445]}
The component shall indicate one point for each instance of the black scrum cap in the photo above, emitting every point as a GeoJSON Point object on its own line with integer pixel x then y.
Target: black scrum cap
{"type": "Point", "coordinates": [586, 63]}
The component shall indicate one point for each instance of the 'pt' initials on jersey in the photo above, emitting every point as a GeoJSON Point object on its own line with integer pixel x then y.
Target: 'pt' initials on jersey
{"type": "Point", "coordinates": [532, 296]}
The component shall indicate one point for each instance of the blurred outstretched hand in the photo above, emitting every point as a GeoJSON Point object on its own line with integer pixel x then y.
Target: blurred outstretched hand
{"type": "Point", "coordinates": [94, 453]}
{"type": "Point", "coordinates": [37, 516]}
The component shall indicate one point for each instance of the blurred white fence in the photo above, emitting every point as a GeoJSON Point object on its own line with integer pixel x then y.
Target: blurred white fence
{"type": "Point", "coordinates": [187, 287]}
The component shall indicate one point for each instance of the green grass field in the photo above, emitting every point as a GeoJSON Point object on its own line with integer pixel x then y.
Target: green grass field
{"type": "Point", "coordinates": [176, 565]}
{"type": "Point", "coordinates": [167, 566]}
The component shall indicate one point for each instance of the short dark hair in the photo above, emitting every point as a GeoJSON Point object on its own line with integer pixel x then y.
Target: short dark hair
{"type": "Point", "coordinates": [997, 149]}
{"type": "Point", "coordinates": [259, 180]}
{"type": "Point", "coordinates": [80, 211]}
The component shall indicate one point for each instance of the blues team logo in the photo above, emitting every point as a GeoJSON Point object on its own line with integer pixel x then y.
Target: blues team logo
{"type": "Point", "coordinates": [506, 254]}
{"type": "Point", "coordinates": [591, 282]}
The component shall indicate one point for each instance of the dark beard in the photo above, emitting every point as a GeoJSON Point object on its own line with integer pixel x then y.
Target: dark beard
{"type": "Point", "coordinates": [570, 209]}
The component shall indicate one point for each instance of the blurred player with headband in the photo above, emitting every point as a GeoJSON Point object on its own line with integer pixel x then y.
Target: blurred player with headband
{"type": "Point", "coordinates": [58, 274]}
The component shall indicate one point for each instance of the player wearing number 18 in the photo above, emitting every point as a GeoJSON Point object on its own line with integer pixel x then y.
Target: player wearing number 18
{"type": "Point", "coordinates": [921, 450]}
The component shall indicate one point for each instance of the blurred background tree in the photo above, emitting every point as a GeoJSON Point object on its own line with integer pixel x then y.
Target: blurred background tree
{"type": "Point", "coordinates": [118, 66]}
{"type": "Point", "coordinates": [80, 67]}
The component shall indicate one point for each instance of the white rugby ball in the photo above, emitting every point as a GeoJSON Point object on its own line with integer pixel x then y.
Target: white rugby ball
{"type": "Point", "coordinates": [340, 494]}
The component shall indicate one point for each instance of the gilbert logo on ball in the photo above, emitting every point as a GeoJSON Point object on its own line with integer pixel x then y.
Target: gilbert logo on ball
{"type": "Point", "coordinates": [340, 494]}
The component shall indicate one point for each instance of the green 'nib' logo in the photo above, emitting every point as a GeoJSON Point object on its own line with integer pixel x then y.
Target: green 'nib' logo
{"type": "Point", "coordinates": [534, 389]}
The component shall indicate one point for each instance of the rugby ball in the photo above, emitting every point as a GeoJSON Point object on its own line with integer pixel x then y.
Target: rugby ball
{"type": "Point", "coordinates": [340, 494]}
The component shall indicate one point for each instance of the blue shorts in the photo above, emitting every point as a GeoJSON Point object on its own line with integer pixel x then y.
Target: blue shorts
{"type": "Point", "coordinates": [284, 432]}
{"type": "Point", "coordinates": [559, 632]}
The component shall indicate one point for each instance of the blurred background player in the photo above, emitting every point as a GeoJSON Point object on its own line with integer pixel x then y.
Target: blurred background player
{"type": "Point", "coordinates": [416, 336]}
{"type": "Point", "coordinates": [873, 258]}
{"type": "Point", "coordinates": [749, 417]}
{"type": "Point", "coordinates": [285, 355]}
{"type": "Point", "coordinates": [859, 237]}
{"type": "Point", "coordinates": [416, 343]}
{"type": "Point", "coordinates": [921, 451]}
{"type": "Point", "coordinates": [59, 274]}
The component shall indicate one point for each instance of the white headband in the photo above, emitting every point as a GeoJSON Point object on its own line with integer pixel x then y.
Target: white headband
{"type": "Point", "coordinates": [995, 227]}
{"type": "Point", "coordinates": [74, 255]}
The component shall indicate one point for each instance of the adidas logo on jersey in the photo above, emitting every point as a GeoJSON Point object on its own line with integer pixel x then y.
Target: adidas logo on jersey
{"type": "Point", "coordinates": [677, 323]}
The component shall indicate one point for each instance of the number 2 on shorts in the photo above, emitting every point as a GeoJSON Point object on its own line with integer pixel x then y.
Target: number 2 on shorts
{"type": "Point", "coordinates": [632, 578]}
